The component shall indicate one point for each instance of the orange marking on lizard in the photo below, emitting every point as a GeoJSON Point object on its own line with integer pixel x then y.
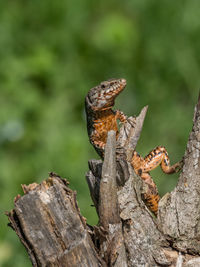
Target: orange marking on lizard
{"type": "Point", "coordinates": [101, 119]}
{"type": "Point", "coordinates": [100, 116]}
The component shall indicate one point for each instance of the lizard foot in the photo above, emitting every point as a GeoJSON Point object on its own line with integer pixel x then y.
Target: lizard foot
{"type": "Point", "coordinates": [178, 166]}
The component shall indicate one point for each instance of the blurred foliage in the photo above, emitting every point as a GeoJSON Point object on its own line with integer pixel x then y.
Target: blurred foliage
{"type": "Point", "coordinates": [53, 52]}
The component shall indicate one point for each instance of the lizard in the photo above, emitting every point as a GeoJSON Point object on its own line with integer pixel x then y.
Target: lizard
{"type": "Point", "coordinates": [101, 118]}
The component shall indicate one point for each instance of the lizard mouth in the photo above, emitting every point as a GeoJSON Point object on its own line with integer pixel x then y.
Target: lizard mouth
{"type": "Point", "coordinates": [110, 90]}
{"type": "Point", "coordinates": [103, 96]}
{"type": "Point", "coordinates": [113, 87]}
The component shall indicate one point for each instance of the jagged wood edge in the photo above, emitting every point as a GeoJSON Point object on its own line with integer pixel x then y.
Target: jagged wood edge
{"type": "Point", "coordinates": [130, 132]}
{"type": "Point", "coordinates": [160, 251]}
{"type": "Point", "coordinates": [128, 137]}
{"type": "Point", "coordinates": [112, 248]}
{"type": "Point", "coordinates": [131, 219]}
{"type": "Point", "coordinates": [48, 222]}
{"type": "Point", "coordinates": [144, 243]}
{"type": "Point", "coordinates": [108, 206]}
{"type": "Point", "coordinates": [179, 211]}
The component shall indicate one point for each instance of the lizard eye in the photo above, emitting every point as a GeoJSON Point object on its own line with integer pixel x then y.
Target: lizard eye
{"type": "Point", "coordinates": [103, 86]}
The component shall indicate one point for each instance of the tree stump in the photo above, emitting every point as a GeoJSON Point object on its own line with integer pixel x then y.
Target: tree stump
{"type": "Point", "coordinates": [49, 224]}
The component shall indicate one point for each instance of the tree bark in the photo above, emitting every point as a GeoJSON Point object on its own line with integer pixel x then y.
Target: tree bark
{"type": "Point", "coordinates": [49, 224]}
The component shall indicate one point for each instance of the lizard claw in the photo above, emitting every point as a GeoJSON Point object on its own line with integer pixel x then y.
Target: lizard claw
{"type": "Point", "coordinates": [179, 166]}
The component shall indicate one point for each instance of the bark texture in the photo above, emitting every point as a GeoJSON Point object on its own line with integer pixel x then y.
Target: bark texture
{"type": "Point", "coordinates": [48, 222]}
{"type": "Point", "coordinates": [179, 213]}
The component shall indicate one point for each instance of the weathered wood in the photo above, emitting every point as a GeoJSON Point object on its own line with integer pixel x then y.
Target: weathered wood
{"type": "Point", "coordinates": [49, 224]}
{"type": "Point", "coordinates": [179, 212]}
{"type": "Point", "coordinates": [93, 177]}
{"type": "Point", "coordinates": [130, 133]}
{"type": "Point", "coordinates": [146, 239]}
{"type": "Point", "coordinates": [142, 240]}
{"type": "Point", "coordinates": [108, 204]}
{"type": "Point", "coordinates": [112, 248]}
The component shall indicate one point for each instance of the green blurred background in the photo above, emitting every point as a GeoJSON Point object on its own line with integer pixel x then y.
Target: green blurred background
{"type": "Point", "coordinates": [53, 52]}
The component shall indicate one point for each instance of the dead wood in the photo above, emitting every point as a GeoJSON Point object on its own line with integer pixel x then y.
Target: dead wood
{"type": "Point", "coordinates": [49, 224]}
{"type": "Point", "coordinates": [179, 213]}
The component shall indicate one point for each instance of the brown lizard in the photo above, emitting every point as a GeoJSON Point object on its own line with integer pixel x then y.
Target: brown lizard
{"type": "Point", "coordinates": [101, 118]}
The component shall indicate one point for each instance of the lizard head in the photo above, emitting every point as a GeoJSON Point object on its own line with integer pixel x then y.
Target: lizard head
{"type": "Point", "coordinates": [103, 95]}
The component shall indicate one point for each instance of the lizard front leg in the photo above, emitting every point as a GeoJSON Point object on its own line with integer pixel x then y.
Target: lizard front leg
{"type": "Point", "coordinates": [119, 115]}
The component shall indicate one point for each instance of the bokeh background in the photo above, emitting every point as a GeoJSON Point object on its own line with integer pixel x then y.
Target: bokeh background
{"type": "Point", "coordinates": [53, 52]}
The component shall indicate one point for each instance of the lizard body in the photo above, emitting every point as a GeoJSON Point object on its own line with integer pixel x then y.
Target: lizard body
{"type": "Point", "coordinates": [101, 118]}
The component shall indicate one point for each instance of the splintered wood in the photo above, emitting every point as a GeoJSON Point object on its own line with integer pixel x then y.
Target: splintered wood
{"type": "Point", "coordinates": [49, 224]}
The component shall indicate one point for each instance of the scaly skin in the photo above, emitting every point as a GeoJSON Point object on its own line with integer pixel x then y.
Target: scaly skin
{"type": "Point", "coordinates": [143, 166]}
{"type": "Point", "coordinates": [101, 119]}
